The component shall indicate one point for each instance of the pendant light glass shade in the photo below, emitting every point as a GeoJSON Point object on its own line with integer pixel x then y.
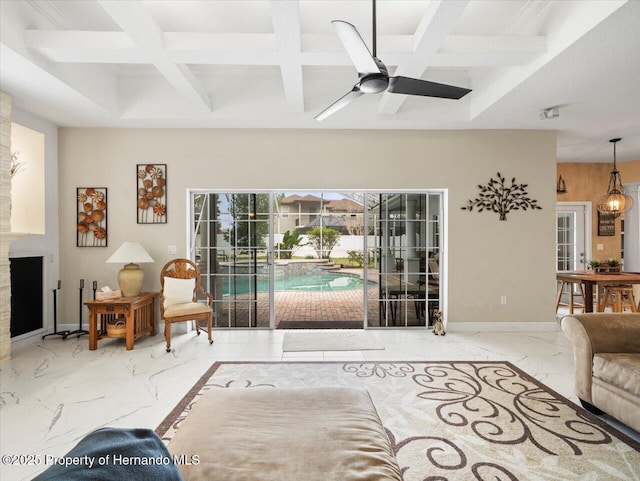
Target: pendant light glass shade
{"type": "Point", "coordinates": [616, 202]}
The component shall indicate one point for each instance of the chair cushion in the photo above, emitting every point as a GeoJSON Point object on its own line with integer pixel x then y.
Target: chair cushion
{"type": "Point", "coordinates": [622, 370]}
{"type": "Point", "coordinates": [177, 291]}
{"type": "Point", "coordinates": [185, 309]}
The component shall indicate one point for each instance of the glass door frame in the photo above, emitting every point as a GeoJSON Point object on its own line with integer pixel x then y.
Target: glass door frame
{"type": "Point", "coordinates": [443, 236]}
{"type": "Point", "coordinates": [443, 240]}
{"type": "Point", "coordinates": [191, 238]}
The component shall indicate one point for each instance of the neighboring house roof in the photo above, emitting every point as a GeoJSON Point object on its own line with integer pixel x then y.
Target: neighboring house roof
{"type": "Point", "coordinates": [344, 205]}
{"type": "Point", "coordinates": [295, 198]}
{"type": "Point", "coordinates": [336, 205]}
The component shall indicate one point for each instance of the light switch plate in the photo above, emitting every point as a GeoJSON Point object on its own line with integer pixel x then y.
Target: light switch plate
{"type": "Point", "coordinates": [171, 249]}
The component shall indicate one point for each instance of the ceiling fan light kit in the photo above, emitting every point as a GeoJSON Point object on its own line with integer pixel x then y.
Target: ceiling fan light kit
{"type": "Point", "coordinates": [615, 202]}
{"type": "Point", "coordinates": [373, 75]}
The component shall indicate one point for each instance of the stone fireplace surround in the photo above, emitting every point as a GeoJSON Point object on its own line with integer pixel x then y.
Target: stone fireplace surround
{"type": "Point", "coordinates": [6, 238]}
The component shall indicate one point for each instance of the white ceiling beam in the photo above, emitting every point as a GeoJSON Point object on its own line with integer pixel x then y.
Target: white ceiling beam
{"type": "Point", "coordinates": [136, 21]}
{"type": "Point", "coordinates": [432, 31]}
{"type": "Point", "coordinates": [84, 47]}
{"type": "Point", "coordinates": [260, 49]}
{"type": "Point", "coordinates": [577, 21]}
{"type": "Point", "coordinates": [96, 85]}
{"type": "Point", "coordinates": [285, 15]}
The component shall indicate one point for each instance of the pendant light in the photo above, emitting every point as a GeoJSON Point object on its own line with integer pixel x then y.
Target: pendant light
{"type": "Point", "coordinates": [616, 202]}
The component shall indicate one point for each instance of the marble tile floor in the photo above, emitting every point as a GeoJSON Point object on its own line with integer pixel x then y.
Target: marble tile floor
{"type": "Point", "coordinates": [54, 392]}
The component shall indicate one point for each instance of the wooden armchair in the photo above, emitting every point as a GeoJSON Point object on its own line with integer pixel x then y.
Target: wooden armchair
{"type": "Point", "coordinates": [180, 282]}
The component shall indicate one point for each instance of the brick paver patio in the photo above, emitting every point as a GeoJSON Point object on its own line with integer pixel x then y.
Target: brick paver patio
{"type": "Point", "coordinates": [314, 306]}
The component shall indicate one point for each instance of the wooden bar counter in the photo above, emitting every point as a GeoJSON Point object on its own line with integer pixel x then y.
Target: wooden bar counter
{"type": "Point", "coordinates": [137, 312]}
{"type": "Point", "coordinates": [589, 280]}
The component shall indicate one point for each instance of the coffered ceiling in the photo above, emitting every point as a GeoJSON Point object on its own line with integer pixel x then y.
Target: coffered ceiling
{"type": "Point", "coordinates": [278, 63]}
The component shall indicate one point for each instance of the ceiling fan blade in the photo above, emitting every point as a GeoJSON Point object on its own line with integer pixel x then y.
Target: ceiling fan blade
{"type": "Point", "coordinates": [356, 48]}
{"type": "Point", "coordinates": [340, 103]}
{"type": "Point", "coordinates": [412, 86]}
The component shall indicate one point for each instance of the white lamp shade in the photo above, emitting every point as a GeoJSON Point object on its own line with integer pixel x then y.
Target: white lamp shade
{"type": "Point", "coordinates": [130, 252]}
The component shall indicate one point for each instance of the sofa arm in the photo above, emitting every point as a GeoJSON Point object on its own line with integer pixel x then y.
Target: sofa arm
{"type": "Point", "coordinates": [595, 333]}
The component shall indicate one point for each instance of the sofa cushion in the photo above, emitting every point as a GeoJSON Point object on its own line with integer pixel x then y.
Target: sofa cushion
{"type": "Point", "coordinates": [285, 434]}
{"type": "Point", "coordinates": [620, 369]}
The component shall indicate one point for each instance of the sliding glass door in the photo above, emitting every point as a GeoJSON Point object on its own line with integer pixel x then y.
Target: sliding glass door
{"type": "Point", "coordinates": [320, 259]}
{"type": "Point", "coordinates": [230, 244]}
{"type": "Point", "coordinates": [407, 247]}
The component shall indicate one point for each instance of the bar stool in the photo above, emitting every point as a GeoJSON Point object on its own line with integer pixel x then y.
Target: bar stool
{"type": "Point", "coordinates": [618, 297]}
{"type": "Point", "coordinates": [572, 303]}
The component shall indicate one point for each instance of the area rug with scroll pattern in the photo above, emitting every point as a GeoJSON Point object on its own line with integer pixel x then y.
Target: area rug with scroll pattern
{"type": "Point", "coordinates": [453, 421]}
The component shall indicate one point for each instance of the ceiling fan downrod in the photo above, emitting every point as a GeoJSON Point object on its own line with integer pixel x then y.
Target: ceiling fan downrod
{"type": "Point", "coordinates": [375, 53]}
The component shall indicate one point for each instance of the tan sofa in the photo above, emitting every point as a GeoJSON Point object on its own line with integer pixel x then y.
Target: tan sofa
{"type": "Point", "coordinates": [606, 349]}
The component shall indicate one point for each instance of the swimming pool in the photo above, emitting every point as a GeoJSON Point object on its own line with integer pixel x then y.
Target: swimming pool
{"type": "Point", "coordinates": [317, 282]}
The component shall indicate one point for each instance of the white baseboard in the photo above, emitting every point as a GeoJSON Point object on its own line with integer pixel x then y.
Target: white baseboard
{"type": "Point", "coordinates": [502, 326]}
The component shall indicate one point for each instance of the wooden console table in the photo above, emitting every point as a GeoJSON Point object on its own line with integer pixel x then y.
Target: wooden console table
{"type": "Point", "coordinates": [138, 313]}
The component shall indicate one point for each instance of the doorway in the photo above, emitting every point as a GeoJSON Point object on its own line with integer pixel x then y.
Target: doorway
{"type": "Point", "coordinates": [573, 221]}
{"type": "Point", "coordinates": [573, 246]}
{"type": "Point", "coordinates": [320, 244]}
{"type": "Point", "coordinates": [319, 259]}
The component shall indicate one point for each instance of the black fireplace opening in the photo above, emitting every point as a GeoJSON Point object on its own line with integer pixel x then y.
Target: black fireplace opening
{"type": "Point", "coordinates": [26, 294]}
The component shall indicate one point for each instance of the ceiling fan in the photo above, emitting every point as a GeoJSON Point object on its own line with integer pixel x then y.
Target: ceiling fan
{"type": "Point", "coordinates": [373, 76]}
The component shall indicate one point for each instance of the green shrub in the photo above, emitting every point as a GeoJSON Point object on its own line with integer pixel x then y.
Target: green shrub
{"type": "Point", "coordinates": [356, 257]}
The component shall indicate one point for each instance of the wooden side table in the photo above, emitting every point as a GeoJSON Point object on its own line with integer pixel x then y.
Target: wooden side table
{"type": "Point", "coordinates": [138, 312]}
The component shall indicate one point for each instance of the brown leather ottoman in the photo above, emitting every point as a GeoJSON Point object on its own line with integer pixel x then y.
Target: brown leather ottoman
{"type": "Point", "coordinates": [272, 434]}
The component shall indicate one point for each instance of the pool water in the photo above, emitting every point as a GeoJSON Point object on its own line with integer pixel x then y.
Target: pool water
{"type": "Point", "coordinates": [323, 282]}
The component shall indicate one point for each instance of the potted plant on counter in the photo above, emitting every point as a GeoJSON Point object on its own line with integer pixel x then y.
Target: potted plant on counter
{"type": "Point", "coordinates": [595, 264]}
{"type": "Point", "coordinates": [613, 265]}
{"type": "Point", "coordinates": [610, 266]}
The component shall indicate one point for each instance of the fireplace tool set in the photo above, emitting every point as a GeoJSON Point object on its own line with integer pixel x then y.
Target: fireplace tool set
{"type": "Point", "coordinates": [78, 332]}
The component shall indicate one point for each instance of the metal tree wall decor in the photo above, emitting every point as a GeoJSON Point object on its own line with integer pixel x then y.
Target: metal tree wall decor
{"type": "Point", "coordinates": [502, 199]}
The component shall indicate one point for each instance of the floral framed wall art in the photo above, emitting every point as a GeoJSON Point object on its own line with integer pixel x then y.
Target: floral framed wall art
{"type": "Point", "coordinates": [152, 193]}
{"type": "Point", "coordinates": [91, 217]}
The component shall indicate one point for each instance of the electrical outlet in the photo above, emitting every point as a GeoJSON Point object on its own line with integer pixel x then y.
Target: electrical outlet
{"type": "Point", "coordinates": [503, 300]}
{"type": "Point", "coordinates": [599, 247]}
{"type": "Point", "coordinates": [171, 249]}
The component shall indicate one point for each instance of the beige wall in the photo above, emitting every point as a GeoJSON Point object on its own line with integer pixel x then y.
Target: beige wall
{"type": "Point", "coordinates": [488, 258]}
{"type": "Point", "coordinates": [587, 182]}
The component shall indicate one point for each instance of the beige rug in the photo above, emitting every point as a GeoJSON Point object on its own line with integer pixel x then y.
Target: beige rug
{"type": "Point", "coordinates": [342, 340]}
{"type": "Point", "coordinates": [454, 421]}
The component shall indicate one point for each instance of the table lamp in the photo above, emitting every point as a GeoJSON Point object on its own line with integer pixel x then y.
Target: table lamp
{"type": "Point", "coordinates": [131, 276]}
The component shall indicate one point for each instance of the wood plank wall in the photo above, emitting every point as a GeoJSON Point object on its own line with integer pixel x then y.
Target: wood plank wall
{"type": "Point", "coordinates": [587, 182]}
